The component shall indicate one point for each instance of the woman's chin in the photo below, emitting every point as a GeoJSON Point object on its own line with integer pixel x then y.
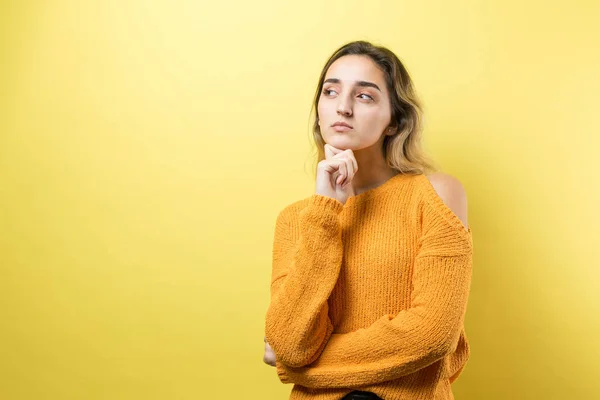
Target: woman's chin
{"type": "Point", "coordinates": [341, 142]}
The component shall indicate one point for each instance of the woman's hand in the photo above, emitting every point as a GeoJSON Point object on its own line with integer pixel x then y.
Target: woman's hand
{"type": "Point", "coordinates": [269, 357]}
{"type": "Point", "coordinates": [335, 173]}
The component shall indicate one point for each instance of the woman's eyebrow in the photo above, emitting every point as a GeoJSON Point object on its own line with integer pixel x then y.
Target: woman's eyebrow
{"type": "Point", "coordinates": [357, 83]}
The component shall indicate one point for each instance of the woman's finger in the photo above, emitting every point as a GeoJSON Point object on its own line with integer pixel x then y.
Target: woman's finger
{"type": "Point", "coordinates": [335, 150]}
{"type": "Point", "coordinates": [343, 173]}
{"type": "Point", "coordinates": [331, 151]}
{"type": "Point", "coordinates": [350, 170]}
{"type": "Point", "coordinates": [328, 152]}
{"type": "Point", "coordinates": [351, 157]}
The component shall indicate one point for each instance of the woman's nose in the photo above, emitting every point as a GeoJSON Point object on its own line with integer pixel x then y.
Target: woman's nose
{"type": "Point", "coordinates": [343, 108]}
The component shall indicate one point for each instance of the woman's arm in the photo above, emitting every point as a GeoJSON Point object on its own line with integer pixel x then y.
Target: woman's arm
{"type": "Point", "coordinates": [401, 344]}
{"type": "Point", "coordinates": [307, 258]}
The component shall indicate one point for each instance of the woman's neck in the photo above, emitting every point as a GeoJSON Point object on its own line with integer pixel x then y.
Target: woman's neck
{"type": "Point", "coordinates": [372, 172]}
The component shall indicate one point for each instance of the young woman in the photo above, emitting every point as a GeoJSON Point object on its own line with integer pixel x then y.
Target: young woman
{"type": "Point", "coordinates": [371, 274]}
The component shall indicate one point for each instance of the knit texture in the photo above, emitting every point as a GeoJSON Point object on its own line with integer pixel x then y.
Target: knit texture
{"type": "Point", "coordinates": [370, 295]}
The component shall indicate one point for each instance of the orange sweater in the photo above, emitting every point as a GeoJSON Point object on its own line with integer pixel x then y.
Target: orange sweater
{"type": "Point", "coordinates": [370, 295]}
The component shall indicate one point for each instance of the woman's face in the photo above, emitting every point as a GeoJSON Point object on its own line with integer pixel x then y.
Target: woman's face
{"type": "Point", "coordinates": [354, 92]}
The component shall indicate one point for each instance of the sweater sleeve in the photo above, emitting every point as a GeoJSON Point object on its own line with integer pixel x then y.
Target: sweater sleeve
{"type": "Point", "coordinates": [307, 258]}
{"type": "Point", "coordinates": [401, 344]}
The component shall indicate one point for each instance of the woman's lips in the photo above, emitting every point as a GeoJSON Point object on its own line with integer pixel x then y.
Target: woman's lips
{"type": "Point", "coordinates": [341, 128]}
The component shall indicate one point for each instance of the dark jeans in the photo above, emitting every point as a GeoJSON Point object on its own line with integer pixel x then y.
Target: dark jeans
{"type": "Point", "coordinates": [358, 395]}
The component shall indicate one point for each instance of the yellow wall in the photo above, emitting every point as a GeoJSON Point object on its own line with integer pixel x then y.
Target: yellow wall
{"type": "Point", "coordinates": [147, 147]}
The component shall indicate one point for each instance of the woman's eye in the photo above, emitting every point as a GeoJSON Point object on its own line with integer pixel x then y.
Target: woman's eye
{"type": "Point", "coordinates": [328, 92]}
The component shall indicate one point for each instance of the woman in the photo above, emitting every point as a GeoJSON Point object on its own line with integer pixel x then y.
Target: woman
{"type": "Point", "coordinates": [371, 273]}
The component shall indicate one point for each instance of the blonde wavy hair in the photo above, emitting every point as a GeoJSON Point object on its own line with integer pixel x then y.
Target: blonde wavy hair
{"type": "Point", "coordinates": [403, 150]}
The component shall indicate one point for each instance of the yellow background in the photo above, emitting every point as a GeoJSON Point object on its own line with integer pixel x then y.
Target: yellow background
{"type": "Point", "coordinates": [147, 147]}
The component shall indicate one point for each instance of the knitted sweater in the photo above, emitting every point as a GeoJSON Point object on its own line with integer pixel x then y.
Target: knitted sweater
{"type": "Point", "coordinates": [371, 294]}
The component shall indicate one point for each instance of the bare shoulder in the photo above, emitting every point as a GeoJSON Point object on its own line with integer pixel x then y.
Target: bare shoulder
{"type": "Point", "coordinates": [452, 193]}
